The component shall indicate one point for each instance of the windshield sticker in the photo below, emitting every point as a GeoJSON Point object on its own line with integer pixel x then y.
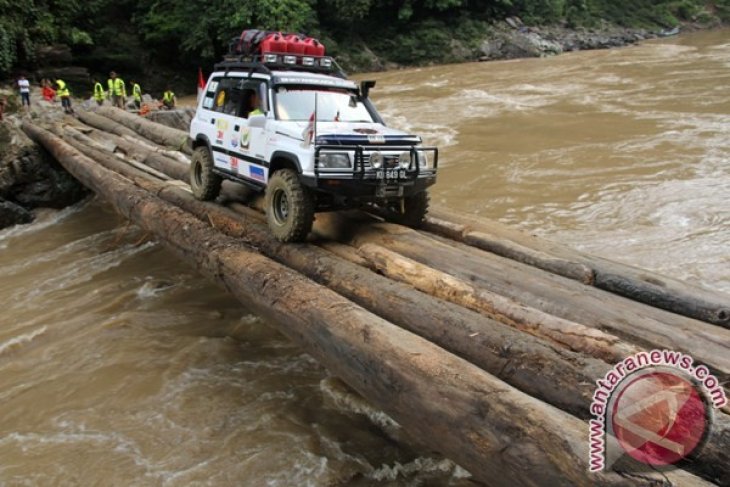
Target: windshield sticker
{"type": "Point", "coordinates": [213, 86]}
{"type": "Point", "coordinates": [292, 80]}
{"type": "Point", "coordinates": [208, 102]}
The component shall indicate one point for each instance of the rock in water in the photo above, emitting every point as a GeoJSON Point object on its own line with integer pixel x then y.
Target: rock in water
{"type": "Point", "coordinates": [12, 214]}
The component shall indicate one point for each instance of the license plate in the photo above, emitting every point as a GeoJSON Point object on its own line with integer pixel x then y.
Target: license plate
{"type": "Point", "coordinates": [390, 174]}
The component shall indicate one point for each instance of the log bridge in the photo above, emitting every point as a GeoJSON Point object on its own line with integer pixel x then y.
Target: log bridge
{"type": "Point", "coordinates": [483, 343]}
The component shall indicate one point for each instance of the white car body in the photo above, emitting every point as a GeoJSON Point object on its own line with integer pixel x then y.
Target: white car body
{"type": "Point", "coordinates": [249, 149]}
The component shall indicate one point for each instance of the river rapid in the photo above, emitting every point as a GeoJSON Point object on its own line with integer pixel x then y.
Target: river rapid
{"type": "Point", "coordinates": [120, 365]}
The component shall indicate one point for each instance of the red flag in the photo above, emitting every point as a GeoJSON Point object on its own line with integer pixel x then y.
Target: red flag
{"type": "Point", "coordinates": [201, 83]}
{"type": "Point", "coordinates": [201, 80]}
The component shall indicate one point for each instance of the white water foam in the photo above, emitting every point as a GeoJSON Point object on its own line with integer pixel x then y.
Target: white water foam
{"type": "Point", "coordinates": [21, 340]}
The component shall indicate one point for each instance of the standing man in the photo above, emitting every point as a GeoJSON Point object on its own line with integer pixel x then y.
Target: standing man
{"type": "Point", "coordinates": [168, 99]}
{"type": "Point", "coordinates": [99, 93]}
{"type": "Point", "coordinates": [117, 90]}
{"type": "Point", "coordinates": [65, 95]}
{"type": "Point", "coordinates": [137, 94]}
{"type": "Point", "coordinates": [24, 88]}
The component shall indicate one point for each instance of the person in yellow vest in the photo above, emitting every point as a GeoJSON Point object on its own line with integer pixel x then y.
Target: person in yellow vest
{"type": "Point", "coordinates": [254, 104]}
{"type": "Point", "coordinates": [168, 99]}
{"type": "Point", "coordinates": [65, 95]}
{"type": "Point", "coordinates": [137, 94]}
{"type": "Point", "coordinates": [117, 90]}
{"type": "Point", "coordinates": [99, 93]}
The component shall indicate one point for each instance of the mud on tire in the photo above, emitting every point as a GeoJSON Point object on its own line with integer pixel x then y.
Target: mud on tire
{"type": "Point", "coordinates": [289, 207]}
{"type": "Point", "coordinates": [206, 185]}
{"type": "Point", "coordinates": [415, 208]}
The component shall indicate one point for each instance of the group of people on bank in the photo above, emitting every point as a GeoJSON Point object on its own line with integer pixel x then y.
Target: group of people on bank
{"type": "Point", "coordinates": [116, 93]}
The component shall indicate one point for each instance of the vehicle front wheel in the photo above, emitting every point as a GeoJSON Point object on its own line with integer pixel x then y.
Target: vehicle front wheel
{"type": "Point", "coordinates": [289, 207]}
{"type": "Point", "coordinates": [206, 185]}
{"type": "Point", "coordinates": [413, 211]}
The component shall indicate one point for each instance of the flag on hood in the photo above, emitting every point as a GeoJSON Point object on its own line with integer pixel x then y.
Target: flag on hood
{"type": "Point", "coordinates": [308, 132]}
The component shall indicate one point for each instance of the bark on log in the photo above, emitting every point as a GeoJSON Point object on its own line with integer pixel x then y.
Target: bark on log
{"type": "Point", "coordinates": [438, 398]}
{"type": "Point", "coordinates": [556, 295]}
{"type": "Point", "coordinates": [650, 288]}
{"type": "Point", "coordinates": [713, 461]}
{"type": "Point", "coordinates": [160, 160]}
{"type": "Point", "coordinates": [520, 360]}
{"type": "Point", "coordinates": [574, 336]}
{"type": "Point", "coordinates": [160, 134]}
{"type": "Point", "coordinates": [105, 124]}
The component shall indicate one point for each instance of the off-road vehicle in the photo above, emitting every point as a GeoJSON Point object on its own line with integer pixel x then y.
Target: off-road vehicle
{"type": "Point", "coordinates": [295, 127]}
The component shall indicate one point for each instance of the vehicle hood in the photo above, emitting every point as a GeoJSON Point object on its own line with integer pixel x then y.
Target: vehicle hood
{"type": "Point", "coordinates": [343, 133]}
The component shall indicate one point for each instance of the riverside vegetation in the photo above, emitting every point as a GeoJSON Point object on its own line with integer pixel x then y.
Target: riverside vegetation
{"type": "Point", "coordinates": [150, 39]}
{"type": "Point", "coordinates": [164, 41]}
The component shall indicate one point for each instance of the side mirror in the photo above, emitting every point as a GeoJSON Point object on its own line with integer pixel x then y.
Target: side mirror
{"type": "Point", "coordinates": [257, 121]}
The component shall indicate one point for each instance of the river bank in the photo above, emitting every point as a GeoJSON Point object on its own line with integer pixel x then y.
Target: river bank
{"type": "Point", "coordinates": [29, 178]}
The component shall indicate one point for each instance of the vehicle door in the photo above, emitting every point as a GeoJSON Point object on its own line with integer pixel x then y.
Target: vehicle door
{"type": "Point", "coordinates": [252, 120]}
{"type": "Point", "coordinates": [223, 136]}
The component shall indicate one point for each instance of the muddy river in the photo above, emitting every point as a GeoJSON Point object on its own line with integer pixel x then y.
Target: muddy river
{"type": "Point", "coordinates": [120, 365]}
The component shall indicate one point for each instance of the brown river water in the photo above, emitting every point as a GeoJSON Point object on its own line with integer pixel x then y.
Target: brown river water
{"type": "Point", "coordinates": [120, 365]}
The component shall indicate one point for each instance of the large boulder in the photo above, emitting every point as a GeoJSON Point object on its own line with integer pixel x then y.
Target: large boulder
{"type": "Point", "coordinates": [178, 119]}
{"type": "Point", "coordinates": [12, 214]}
{"type": "Point", "coordinates": [30, 178]}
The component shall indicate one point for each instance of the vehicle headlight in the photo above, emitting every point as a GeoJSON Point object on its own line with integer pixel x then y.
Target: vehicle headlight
{"type": "Point", "coordinates": [376, 160]}
{"type": "Point", "coordinates": [424, 162]}
{"type": "Point", "coordinates": [404, 160]}
{"type": "Point", "coordinates": [334, 161]}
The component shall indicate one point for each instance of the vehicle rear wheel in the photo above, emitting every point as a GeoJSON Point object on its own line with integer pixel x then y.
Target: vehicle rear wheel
{"type": "Point", "coordinates": [413, 211]}
{"type": "Point", "coordinates": [206, 185]}
{"type": "Point", "coordinates": [289, 207]}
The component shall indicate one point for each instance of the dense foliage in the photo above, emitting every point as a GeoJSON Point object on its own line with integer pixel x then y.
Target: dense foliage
{"type": "Point", "coordinates": [136, 34]}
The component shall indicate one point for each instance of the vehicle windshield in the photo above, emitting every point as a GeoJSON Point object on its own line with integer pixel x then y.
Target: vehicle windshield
{"type": "Point", "coordinates": [297, 104]}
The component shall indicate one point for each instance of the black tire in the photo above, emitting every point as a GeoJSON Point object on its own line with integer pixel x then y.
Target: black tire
{"type": "Point", "coordinates": [289, 207]}
{"type": "Point", "coordinates": [414, 211]}
{"type": "Point", "coordinates": [206, 185]}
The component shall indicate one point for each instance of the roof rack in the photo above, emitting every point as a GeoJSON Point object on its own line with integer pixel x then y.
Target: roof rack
{"type": "Point", "coordinates": [268, 62]}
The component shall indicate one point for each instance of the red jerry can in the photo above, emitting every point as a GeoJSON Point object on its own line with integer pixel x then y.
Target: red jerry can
{"type": "Point", "coordinates": [294, 44]}
{"type": "Point", "coordinates": [313, 47]}
{"type": "Point", "coordinates": [274, 42]}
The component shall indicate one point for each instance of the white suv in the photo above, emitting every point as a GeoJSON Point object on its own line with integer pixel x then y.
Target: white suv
{"type": "Point", "coordinates": [296, 128]}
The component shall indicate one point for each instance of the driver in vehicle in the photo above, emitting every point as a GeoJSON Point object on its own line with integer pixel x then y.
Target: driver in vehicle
{"type": "Point", "coordinates": [255, 104]}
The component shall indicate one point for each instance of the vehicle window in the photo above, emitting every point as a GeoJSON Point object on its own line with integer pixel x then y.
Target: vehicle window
{"type": "Point", "coordinates": [239, 96]}
{"type": "Point", "coordinates": [209, 98]}
{"type": "Point", "coordinates": [226, 98]}
{"type": "Point", "coordinates": [297, 104]}
{"type": "Point", "coordinates": [253, 98]}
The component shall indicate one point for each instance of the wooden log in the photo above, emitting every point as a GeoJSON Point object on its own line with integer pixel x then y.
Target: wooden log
{"type": "Point", "coordinates": [574, 336]}
{"type": "Point", "coordinates": [160, 161]}
{"type": "Point", "coordinates": [634, 322]}
{"type": "Point", "coordinates": [437, 397]}
{"type": "Point", "coordinates": [160, 134]}
{"type": "Point", "coordinates": [520, 360]}
{"type": "Point", "coordinates": [103, 123]}
{"type": "Point", "coordinates": [650, 288]}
